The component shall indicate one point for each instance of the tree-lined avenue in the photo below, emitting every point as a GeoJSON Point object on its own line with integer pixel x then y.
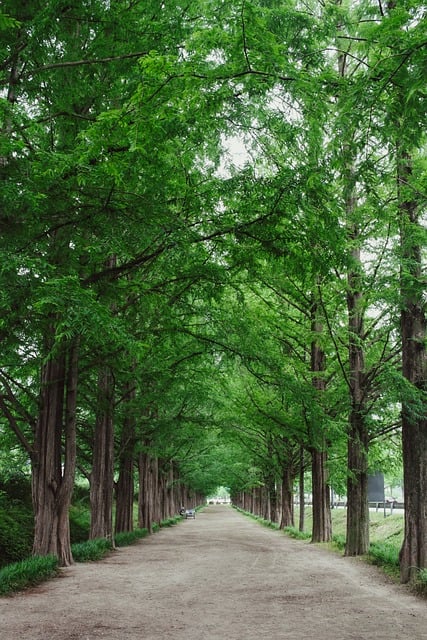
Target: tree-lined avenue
{"type": "Point", "coordinates": [220, 576]}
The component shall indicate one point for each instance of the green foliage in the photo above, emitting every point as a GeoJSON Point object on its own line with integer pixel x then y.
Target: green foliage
{"type": "Point", "coordinates": [421, 582]}
{"type": "Point", "coordinates": [91, 550]}
{"type": "Point", "coordinates": [169, 522]}
{"type": "Point", "coordinates": [16, 531]}
{"type": "Point", "coordinates": [79, 523]}
{"type": "Point", "coordinates": [385, 554]}
{"type": "Point", "coordinates": [26, 573]}
{"type": "Point", "coordinates": [16, 519]}
{"type": "Point", "coordinates": [126, 538]}
{"type": "Point", "coordinates": [292, 532]}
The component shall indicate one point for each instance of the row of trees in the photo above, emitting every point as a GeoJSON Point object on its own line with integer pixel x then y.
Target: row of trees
{"type": "Point", "coordinates": [216, 319]}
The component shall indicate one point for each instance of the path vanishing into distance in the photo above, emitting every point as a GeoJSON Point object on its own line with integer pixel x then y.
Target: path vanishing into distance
{"type": "Point", "coordinates": [221, 576]}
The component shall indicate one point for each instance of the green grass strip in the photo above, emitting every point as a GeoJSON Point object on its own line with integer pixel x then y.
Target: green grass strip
{"type": "Point", "coordinates": [26, 573]}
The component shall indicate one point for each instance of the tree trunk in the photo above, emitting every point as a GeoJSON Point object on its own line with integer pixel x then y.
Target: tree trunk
{"type": "Point", "coordinates": [53, 475]}
{"type": "Point", "coordinates": [125, 483]}
{"type": "Point", "coordinates": [145, 498]}
{"type": "Point", "coordinates": [287, 506]}
{"type": "Point", "coordinates": [413, 554]}
{"type": "Point", "coordinates": [101, 477]}
{"type": "Point", "coordinates": [322, 522]}
{"type": "Point", "coordinates": [301, 523]}
{"type": "Point", "coordinates": [357, 542]}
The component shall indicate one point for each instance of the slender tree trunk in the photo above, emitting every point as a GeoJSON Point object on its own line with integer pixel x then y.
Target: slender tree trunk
{"type": "Point", "coordinates": [53, 475]}
{"type": "Point", "coordinates": [102, 475]}
{"type": "Point", "coordinates": [301, 523]}
{"type": "Point", "coordinates": [358, 438]}
{"type": "Point", "coordinates": [413, 554]}
{"type": "Point", "coordinates": [357, 449]}
{"type": "Point", "coordinates": [322, 521]}
{"type": "Point", "coordinates": [145, 497]}
{"type": "Point", "coordinates": [287, 507]}
{"type": "Point", "coordinates": [357, 542]}
{"type": "Point", "coordinates": [125, 483]}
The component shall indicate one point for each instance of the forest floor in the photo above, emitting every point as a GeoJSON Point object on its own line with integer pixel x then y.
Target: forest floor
{"type": "Point", "coordinates": [221, 576]}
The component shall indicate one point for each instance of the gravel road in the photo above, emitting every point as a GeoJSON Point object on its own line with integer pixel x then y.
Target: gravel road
{"type": "Point", "coordinates": [221, 576]}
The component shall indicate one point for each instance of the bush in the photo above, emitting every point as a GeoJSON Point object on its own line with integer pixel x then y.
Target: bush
{"type": "Point", "coordinates": [295, 533]}
{"type": "Point", "coordinates": [21, 575]}
{"type": "Point", "coordinates": [169, 522]}
{"type": "Point", "coordinates": [421, 582]}
{"type": "Point", "coordinates": [79, 523]}
{"type": "Point", "coordinates": [339, 542]}
{"type": "Point", "coordinates": [385, 555]}
{"type": "Point", "coordinates": [91, 550]}
{"type": "Point", "coordinates": [126, 538]}
{"type": "Point", "coordinates": [16, 530]}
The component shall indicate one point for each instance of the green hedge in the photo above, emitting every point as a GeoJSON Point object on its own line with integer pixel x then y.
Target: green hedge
{"type": "Point", "coordinates": [20, 575]}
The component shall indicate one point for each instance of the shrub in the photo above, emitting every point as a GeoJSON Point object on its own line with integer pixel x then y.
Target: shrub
{"type": "Point", "coordinates": [91, 550]}
{"type": "Point", "coordinates": [19, 575]}
{"type": "Point", "coordinates": [16, 530]}
{"type": "Point", "coordinates": [386, 555]}
{"type": "Point", "coordinates": [129, 537]}
{"type": "Point", "coordinates": [339, 542]}
{"type": "Point", "coordinates": [79, 523]}
{"type": "Point", "coordinates": [169, 522]}
{"type": "Point", "coordinates": [421, 582]}
{"type": "Point", "coordinates": [295, 533]}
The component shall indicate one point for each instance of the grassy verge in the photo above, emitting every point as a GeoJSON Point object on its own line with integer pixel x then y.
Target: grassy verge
{"type": "Point", "coordinates": [27, 573]}
{"type": "Point", "coordinates": [385, 535]}
{"type": "Point", "coordinates": [31, 571]}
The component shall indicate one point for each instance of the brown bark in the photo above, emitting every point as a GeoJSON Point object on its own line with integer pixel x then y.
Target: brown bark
{"type": "Point", "coordinates": [53, 474]}
{"type": "Point", "coordinates": [149, 511]}
{"type": "Point", "coordinates": [125, 482]}
{"type": "Point", "coordinates": [413, 554]}
{"type": "Point", "coordinates": [287, 504]}
{"type": "Point", "coordinates": [357, 542]}
{"type": "Point", "coordinates": [101, 477]}
{"type": "Point", "coordinates": [301, 523]}
{"type": "Point", "coordinates": [322, 521]}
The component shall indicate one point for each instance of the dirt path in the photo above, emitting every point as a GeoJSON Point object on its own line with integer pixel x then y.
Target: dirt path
{"type": "Point", "coordinates": [221, 576]}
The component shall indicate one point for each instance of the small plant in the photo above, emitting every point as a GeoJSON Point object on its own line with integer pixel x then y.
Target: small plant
{"type": "Point", "coordinates": [169, 522]}
{"type": "Point", "coordinates": [91, 550]}
{"type": "Point", "coordinates": [421, 582]}
{"type": "Point", "coordinates": [338, 542]}
{"type": "Point", "coordinates": [292, 532]}
{"type": "Point", "coordinates": [20, 575]}
{"type": "Point", "coordinates": [126, 538]}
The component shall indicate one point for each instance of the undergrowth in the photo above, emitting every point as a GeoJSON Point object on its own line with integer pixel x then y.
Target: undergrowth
{"type": "Point", "coordinates": [26, 573]}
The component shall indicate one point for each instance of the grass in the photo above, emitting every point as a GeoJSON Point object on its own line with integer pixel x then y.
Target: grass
{"type": "Point", "coordinates": [421, 583]}
{"type": "Point", "coordinates": [31, 571]}
{"type": "Point", "coordinates": [26, 573]}
{"type": "Point", "coordinates": [91, 550]}
{"type": "Point", "coordinates": [385, 534]}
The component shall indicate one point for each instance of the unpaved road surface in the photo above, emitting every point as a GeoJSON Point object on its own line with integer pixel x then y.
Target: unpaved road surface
{"type": "Point", "coordinates": [219, 577]}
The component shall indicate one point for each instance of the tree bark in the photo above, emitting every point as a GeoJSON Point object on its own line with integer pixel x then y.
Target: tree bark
{"type": "Point", "coordinates": [287, 506]}
{"type": "Point", "coordinates": [322, 521]}
{"type": "Point", "coordinates": [53, 474]}
{"type": "Point", "coordinates": [102, 474]}
{"type": "Point", "coordinates": [357, 542]}
{"type": "Point", "coordinates": [125, 483]}
{"type": "Point", "coordinates": [413, 554]}
{"type": "Point", "coordinates": [301, 523]}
